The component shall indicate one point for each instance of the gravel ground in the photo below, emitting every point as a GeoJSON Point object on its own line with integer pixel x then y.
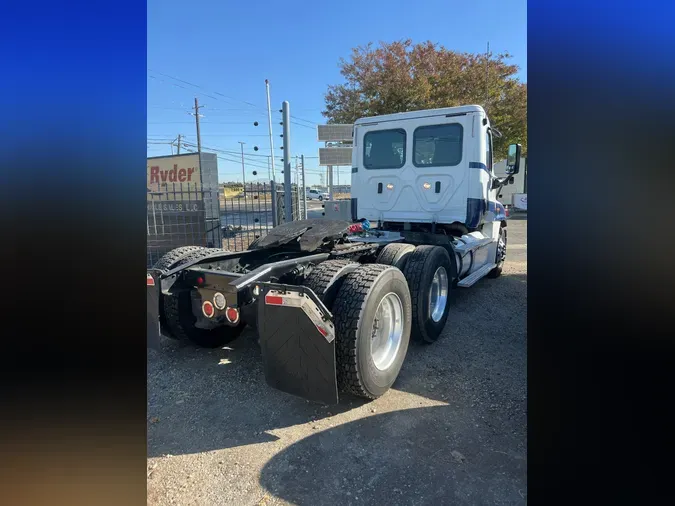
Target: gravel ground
{"type": "Point", "coordinates": [452, 430]}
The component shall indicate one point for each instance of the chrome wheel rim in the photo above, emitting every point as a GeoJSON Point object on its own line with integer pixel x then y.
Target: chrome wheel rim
{"type": "Point", "coordinates": [387, 331]}
{"type": "Point", "coordinates": [438, 294]}
{"type": "Point", "coordinates": [501, 248]}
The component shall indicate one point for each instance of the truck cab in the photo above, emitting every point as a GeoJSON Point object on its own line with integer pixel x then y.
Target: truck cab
{"type": "Point", "coordinates": [419, 169]}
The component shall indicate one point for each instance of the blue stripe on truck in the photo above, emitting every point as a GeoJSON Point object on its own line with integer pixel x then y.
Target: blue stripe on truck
{"type": "Point", "coordinates": [478, 165]}
{"type": "Point", "coordinates": [476, 208]}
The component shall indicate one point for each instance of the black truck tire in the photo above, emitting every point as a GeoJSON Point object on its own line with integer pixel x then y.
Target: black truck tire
{"type": "Point", "coordinates": [176, 310]}
{"type": "Point", "coordinates": [326, 278]}
{"type": "Point", "coordinates": [422, 266]}
{"type": "Point", "coordinates": [500, 257]}
{"type": "Point", "coordinates": [359, 301]}
{"type": "Point", "coordinates": [172, 257]}
{"type": "Point", "coordinates": [395, 254]}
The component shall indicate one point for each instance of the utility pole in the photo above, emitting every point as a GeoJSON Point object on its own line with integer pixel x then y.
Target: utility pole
{"type": "Point", "coordinates": [297, 187]}
{"type": "Point", "coordinates": [269, 119]}
{"type": "Point", "coordinates": [199, 137]}
{"type": "Point", "coordinates": [330, 182]}
{"type": "Point", "coordinates": [487, 66]}
{"type": "Point", "coordinates": [178, 150]}
{"type": "Point", "coordinates": [243, 178]}
{"type": "Point", "coordinates": [243, 170]}
{"type": "Point", "coordinates": [304, 190]}
{"type": "Point", "coordinates": [330, 178]}
{"type": "Point", "coordinates": [199, 146]}
{"type": "Point", "coordinates": [286, 120]}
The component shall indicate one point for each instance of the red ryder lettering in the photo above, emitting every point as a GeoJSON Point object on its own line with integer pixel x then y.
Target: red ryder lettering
{"type": "Point", "coordinates": [171, 175]}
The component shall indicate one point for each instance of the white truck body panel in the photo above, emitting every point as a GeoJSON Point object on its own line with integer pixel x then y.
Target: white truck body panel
{"type": "Point", "coordinates": [420, 190]}
{"type": "Point", "coordinates": [432, 166]}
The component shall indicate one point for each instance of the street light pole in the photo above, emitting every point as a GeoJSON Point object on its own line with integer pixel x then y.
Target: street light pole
{"type": "Point", "coordinates": [243, 169]}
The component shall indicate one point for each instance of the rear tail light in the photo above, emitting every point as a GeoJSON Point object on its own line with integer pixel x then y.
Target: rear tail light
{"type": "Point", "coordinates": [219, 300]}
{"type": "Point", "coordinates": [232, 314]}
{"type": "Point", "coordinates": [208, 309]}
{"type": "Point", "coordinates": [151, 280]}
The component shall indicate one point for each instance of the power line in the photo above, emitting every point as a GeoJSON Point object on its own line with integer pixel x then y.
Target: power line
{"type": "Point", "coordinates": [204, 122]}
{"type": "Point", "coordinates": [229, 98]}
{"type": "Point", "coordinates": [202, 88]}
{"type": "Point", "coordinates": [221, 151]}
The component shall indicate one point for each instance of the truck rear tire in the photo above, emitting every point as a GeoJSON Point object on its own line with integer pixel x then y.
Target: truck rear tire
{"type": "Point", "coordinates": [372, 315]}
{"type": "Point", "coordinates": [327, 277]}
{"type": "Point", "coordinates": [395, 254]}
{"type": "Point", "coordinates": [428, 273]}
{"type": "Point", "coordinates": [172, 257]}
{"type": "Point", "coordinates": [176, 310]}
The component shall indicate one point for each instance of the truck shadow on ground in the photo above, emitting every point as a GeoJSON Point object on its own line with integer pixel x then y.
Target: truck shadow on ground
{"type": "Point", "coordinates": [469, 450]}
{"type": "Point", "coordinates": [202, 400]}
{"type": "Point", "coordinates": [415, 456]}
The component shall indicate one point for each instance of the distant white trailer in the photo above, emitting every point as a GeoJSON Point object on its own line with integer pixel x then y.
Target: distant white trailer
{"type": "Point", "coordinates": [520, 201]}
{"type": "Point", "coordinates": [519, 186]}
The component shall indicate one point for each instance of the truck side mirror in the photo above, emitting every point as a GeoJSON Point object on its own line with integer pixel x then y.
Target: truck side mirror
{"type": "Point", "coordinates": [513, 159]}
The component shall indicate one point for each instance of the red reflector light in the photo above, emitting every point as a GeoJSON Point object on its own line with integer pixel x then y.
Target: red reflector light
{"type": "Point", "coordinates": [208, 309]}
{"type": "Point", "coordinates": [151, 280]}
{"type": "Point", "coordinates": [200, 280]}
{"type": "Point", "coordinates": [274, 300]}
{"type": "Point", "coordinates": [323, 331]}
{"type": "Point", "coordinates": [232, 314]}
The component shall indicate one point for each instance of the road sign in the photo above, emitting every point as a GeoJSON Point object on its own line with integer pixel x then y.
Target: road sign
{"type": "Point", "coordinates": [335, 133]}
{"type": "Point", "coordinates": [335, 156]}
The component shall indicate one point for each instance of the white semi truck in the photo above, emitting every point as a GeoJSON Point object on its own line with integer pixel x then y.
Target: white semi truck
{"type": "Point", "coordinates": [336, 302]}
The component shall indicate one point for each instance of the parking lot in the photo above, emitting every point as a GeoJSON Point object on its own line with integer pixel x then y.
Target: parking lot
{"type": "Point", "coordinates": [451, 431]}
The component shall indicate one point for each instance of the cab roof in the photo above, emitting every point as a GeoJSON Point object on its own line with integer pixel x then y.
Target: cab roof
{"type": "Point", "coordinates": [464, 109]}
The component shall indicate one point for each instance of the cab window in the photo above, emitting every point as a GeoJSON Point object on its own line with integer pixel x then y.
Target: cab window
{"type": "Point", "coordinates": [438, 145]}
{"type": "Point", "coordinates": [384, 149]}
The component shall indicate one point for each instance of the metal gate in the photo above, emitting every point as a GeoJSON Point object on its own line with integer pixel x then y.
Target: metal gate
{"type": "Point", "coordinates": [178, 214]}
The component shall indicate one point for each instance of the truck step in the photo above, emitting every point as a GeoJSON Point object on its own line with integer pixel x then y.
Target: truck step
{"type": "Point", "coordinates": [475, 276]}
{"type": "Point", "coordinates": [465, 248]}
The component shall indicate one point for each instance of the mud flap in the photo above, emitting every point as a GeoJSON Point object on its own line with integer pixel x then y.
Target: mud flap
{"type": "Point", "coordinates": [152, 296]}
{"type": "Point", "coordinates": [297, 340]}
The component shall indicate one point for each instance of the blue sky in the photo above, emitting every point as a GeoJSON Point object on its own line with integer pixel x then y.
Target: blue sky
{"type": "Point", "coordinates": [228, 49]}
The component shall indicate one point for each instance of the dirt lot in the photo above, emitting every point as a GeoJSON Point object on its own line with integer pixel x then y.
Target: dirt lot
{"type": "Point", "coordinates": [451, 431]}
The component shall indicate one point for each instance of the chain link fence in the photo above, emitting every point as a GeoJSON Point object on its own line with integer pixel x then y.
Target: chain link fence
{"type": "Point", "coordinates": [179, 214]}
{"type": "Point", "coordinates": [253, 212]}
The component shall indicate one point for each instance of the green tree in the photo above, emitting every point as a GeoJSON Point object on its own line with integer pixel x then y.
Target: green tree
{"type": "Point", "coordinates": [402, 76]}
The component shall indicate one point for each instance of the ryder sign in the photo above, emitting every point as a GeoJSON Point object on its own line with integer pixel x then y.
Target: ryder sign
{"type": "Point", "coordinates": [181, 170]}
